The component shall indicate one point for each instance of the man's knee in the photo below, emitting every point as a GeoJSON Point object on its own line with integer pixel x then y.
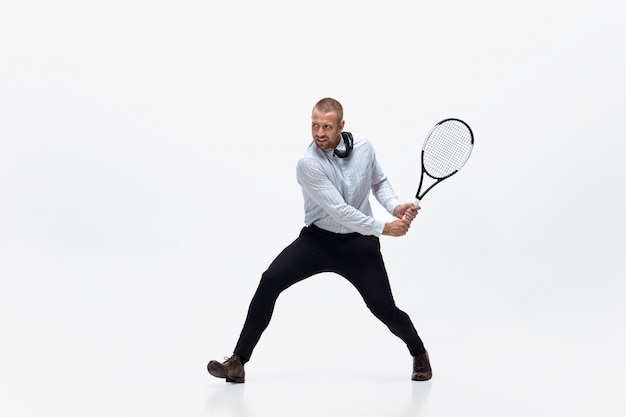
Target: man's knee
{"type": "Point", "coordinates": [272, 281]}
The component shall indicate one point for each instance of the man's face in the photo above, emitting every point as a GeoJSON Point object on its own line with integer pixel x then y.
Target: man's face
{"type": "Point", "coordinates": [326, 129]}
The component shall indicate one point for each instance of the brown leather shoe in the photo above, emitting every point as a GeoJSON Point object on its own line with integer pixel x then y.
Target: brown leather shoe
{"type": "Point", "coordinates": [231, 369]}
{"type": "Point", "coordinates": [421, 368]}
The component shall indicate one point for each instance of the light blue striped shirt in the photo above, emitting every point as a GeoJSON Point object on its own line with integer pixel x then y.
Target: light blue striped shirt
{"type": "Point", "coordinates": [336, 191]}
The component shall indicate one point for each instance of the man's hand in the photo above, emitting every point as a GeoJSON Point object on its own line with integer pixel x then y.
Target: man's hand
{"type": "Point", "coordinates": [406, 211]}
{"type": "Point", "coordinates": [396, 228]}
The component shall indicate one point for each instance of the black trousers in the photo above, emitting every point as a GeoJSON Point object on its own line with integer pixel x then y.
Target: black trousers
{"type": "Point", "coordinates": [354, 256]}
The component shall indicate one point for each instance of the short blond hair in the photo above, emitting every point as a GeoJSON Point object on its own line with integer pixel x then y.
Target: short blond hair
{"type": "Point", "coordinates": [327, 105]}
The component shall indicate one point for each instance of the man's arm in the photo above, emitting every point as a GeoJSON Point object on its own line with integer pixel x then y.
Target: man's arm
{"type": "Point", "coordinates": [320, 189]}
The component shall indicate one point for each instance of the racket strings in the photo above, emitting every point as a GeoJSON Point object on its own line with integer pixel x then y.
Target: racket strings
{"type": "Point", "coordinates": [447, 148]}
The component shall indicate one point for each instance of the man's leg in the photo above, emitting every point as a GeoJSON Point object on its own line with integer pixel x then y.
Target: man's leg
{"type": "Point", "coordinates": [365, 269]}
{"type": "Point", "coordinates": [301, 259]}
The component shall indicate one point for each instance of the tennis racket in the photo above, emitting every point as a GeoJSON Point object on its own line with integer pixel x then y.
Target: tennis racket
{"type": "Point", "coordinates": [446, 149]}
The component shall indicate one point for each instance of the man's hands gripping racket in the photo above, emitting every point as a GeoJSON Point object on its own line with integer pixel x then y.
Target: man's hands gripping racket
{"type": "Point", "coordinates": [446, 149]}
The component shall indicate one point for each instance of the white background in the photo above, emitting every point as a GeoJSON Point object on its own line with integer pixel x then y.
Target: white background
{"type": "Point", "coordinates": [147, 178]}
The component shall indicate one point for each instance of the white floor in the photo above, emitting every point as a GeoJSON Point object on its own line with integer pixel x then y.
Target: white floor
{"type": "Point", "coordinates": [90, 339]}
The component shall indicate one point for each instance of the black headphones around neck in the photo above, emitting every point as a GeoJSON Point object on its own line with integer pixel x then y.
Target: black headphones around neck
{"type": "Point", "coordinates": [348, 141]}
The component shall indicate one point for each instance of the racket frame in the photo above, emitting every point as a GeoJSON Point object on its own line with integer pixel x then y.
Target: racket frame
{"type": "Point", "coordinates": [418, 197]}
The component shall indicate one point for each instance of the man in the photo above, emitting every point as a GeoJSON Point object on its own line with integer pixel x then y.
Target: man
{"type": "Point", "coordinates": [337, 174]}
